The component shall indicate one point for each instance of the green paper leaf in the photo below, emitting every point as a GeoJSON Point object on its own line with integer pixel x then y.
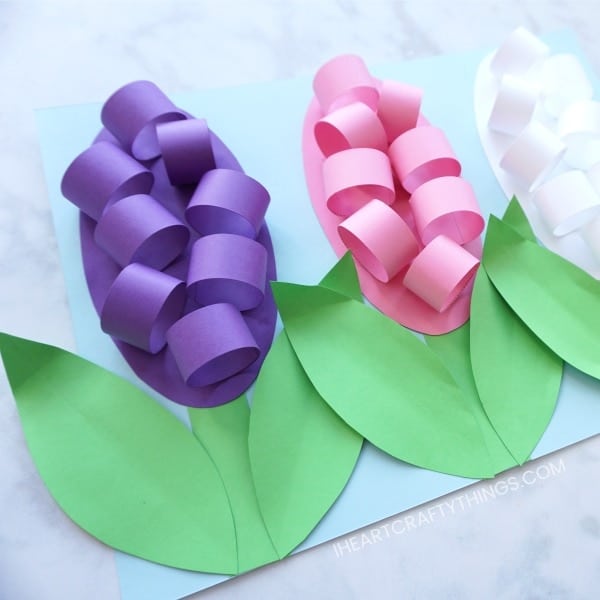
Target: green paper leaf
{"type": "Point", "coordinates": [558, 301]}
{"type": "Point", "coordinates": [223, 431]}
{"type": "Point", "coordinates": [517, 376]}
{"type": "Point", "coordinates": [343, 278]}
{"type": "Point", "coordinates": [382, 381]}
{"type": "Point", "coordinates": [302, 453]}
{"type": "Point", "coordinates": [515, 216]}
{"type": "Point", "coordinates": [453, 350]}
{"type": "Point", "coordinates": [121, 466]}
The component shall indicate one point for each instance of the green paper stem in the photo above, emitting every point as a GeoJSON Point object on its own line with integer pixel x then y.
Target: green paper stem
{"type": "Point", "coordinates": [223, 432]}
{"type": "Point", "coordinates": [558, 302]}
{"type": "Point", "coordinates": [121, 466]}
{"type": "Point", "coordinates": [302, 454]}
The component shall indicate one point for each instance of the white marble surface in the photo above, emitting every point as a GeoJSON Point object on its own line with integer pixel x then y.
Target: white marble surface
{"type": "Point", "coordinates": [538, 540]}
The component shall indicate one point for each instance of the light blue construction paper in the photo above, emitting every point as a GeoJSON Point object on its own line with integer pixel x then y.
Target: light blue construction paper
{"type": "Point", "coordinates": [262, 125]}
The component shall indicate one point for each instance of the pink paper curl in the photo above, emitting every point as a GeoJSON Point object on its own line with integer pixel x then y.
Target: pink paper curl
{"type": "Point", "coordinates": [368, 234]}
{"type": "Point", "coordinates": [421, 154]}
{"type": "Point", "coordinates": [414, 237]}
{"type": "Point", "coordinates": [354, 177]}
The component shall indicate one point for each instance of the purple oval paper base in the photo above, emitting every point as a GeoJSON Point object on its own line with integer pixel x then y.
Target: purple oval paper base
{"type": "Point", "coordinates": [159, 371]}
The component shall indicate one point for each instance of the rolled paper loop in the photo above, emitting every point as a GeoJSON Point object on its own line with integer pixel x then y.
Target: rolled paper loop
{"type": "Point", "coordinates": [343, 80]}
{"type": "Point", "coordinates": [352, 126]}
{"type": "Point", "coordinates": [186, 148]}
{"type": "Point", "coordinates": [211, 344]}
{"type": "Point", "coordinates": [421, 154]}
{"type": "Point", "coordinates": [591, 236]}
{"type": "Point", "coordinates": [228, 201]}
{"type": "Point", "coordinates": [140, 229]}
{"type": "Point", "coordinates": [141, 305]}
{"type": "Point", "coordinates": [514, 105]}
{"type": "Point", "coordinates": [440, 272]}
{"type": "Point", "coordinates": [563, 81]}
{"type": "Point", "coordinates": [520, 51]}
{"type": "Point", "coordinates": [102, 174]}
{"type": "Point", "coordinates": [593, 175]}
{"type": "Point", "coordinates": [352, 178]}
{"type": "Point", "coordinates": [132, 113]}
{"type": "Point", "coordinates": [533, 154]}
{"type": "Point", "coordinates": [229, 268]}
{"type": "Point", "coordinates": [379, 239]}
{"type": "Point", "coordinates": [579, 128]}
{"type": "Point", "coordinates": [447, 206]}
{"type": "Point", "coordinates": [567, 202]}
{"type": "Point", "coordinates": [399, 107]}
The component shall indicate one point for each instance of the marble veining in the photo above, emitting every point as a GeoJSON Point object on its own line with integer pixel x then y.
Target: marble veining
{"type": "Point", "coordinates": [541, 540]}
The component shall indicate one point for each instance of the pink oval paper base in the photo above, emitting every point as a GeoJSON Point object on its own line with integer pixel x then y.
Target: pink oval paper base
{"type": "Point", "coordinates": [392, 298]}
{"type": "Point", "coordinates": [160, 371]}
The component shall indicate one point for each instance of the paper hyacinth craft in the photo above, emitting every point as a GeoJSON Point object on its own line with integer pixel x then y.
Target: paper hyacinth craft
{"type": "Point", "coordinates": [539, 125]}
{"type": "Point", "coordinates": [385, 185]}
{"type": "Point", "coordinates": [252, 479]}
{"type": "Point", "coordinates": [175, 248]}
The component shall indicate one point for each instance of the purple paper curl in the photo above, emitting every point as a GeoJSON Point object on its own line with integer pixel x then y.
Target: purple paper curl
{"type": "Point", "coordinates": [160, 371]}
{"type": "Point", "coordinates": [102, 174]}
{"type": "Point", "coordinates": [228, 201]}
{"type": "Point", "coordinates": [140, 229]}
{"type": "Point", "coordinates": [225, 267]}
{"type": "Point", "coordinates": [141, 305]}
{"type": "Point", "coordinates": [186, 150]}
{"type": "Point", "coordinates": [211, 344]}
{"type": "Point", "coordinates": [132, 113]}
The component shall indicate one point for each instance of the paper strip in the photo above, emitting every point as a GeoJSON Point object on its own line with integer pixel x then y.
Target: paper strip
{"type": "Point", "coordinates": [421, 154]}
{"type": "Point", "coordinates": [356, 176]}
{"type": "Point", "coordinates": [228, 201]}
{"type": "Point", "coordinates": [102, 174]}
{"type": "Point", "coordinates": [225, 267]}
{"type": "Point", "coordinates": [343, 80]}
{"type": "Point", "coordinates": [141, 304]}
{"type": "Point", "coordinates": [121, 466]}
{"type": "Point", "coordinates": [514, 105]}
{"type": "Point", "coordinates": [567, 202]}
{"type": "Point", "coordinates": [211, 344]}
{"type": "Point", "coordinates": [563, 81]}
{"type": "Point", "coordinates": [447, 206]}
{"type": "Point", "coordinates": [533, 155]}
{"type": "Point", "coordinates": [519, 52]}
{"type": "Point", "coordinates": [352, 126]}
{"type": "Point", "coordinates": [579, 127]}
{"type": "Point", "coordinates": [379, 239]}
{"type": "Point", "coordinates": [140, 229]}
{"type": "Point", "coordinates": [440, 272]}
{"type": "Point", "coordinates": [186, 149]}
{"type": "Point", "coordinates": [132, 113]}
{"type": "Point", "coordinates": [399, 107]}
